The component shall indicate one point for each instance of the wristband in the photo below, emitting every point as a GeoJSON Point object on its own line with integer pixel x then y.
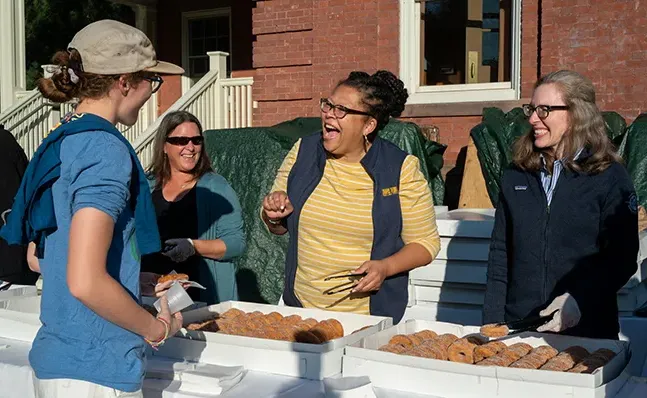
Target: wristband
{"type": "Point", "coordinates": [167, 330]}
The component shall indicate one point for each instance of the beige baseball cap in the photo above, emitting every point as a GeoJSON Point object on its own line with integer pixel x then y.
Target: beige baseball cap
{"type": "Point", "coordinates": [110, 47]}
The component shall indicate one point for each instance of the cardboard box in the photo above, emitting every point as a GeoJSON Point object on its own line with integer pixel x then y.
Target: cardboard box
{"type": "Point", "coordinates": [18, 291]}
{"type": "Point", "coordinates": [467, 223]}
{"type": "Point", "coordinates": [444, 378]}
{"type": "Point", "coordinates": [309, 361]}
{"type": "Point", "coordinates": [21, 326]}
{"type": "Point", "coordinates": [441, 271]}
{"type": "Point", "coordinates": [30, 304]}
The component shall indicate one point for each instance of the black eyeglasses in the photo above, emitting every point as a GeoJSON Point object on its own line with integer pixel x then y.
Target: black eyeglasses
{"type": "Point", "coordinates": [542, 110]}
{"type": "Point", "coordinates": [156, 82]}
{"type": "Point", "coordinates": [182, 141]}
{"type": "Point", "coordinates": [339, 111]}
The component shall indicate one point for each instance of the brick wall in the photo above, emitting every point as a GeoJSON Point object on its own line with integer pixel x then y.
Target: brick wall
{"type": "Point", "coordinates": [303, 47]}
{"type": "Point", "coordinates": [604, 40]}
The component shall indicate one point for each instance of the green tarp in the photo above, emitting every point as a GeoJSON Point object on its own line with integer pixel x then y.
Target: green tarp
{"type": "Point", "coordinates": [249, 158]}
{"type": "Point", "coordinates": [634, 151]}
{"type": "Point", "coordinates": [496, 134]}
{"type": "Point", "coordinates": [493, 139]}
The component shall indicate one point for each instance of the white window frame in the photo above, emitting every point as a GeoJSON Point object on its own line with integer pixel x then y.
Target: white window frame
{"type": "Point", "coordinates": [200, 14]}
{"type": "Point", "coordinates": [410, 11]}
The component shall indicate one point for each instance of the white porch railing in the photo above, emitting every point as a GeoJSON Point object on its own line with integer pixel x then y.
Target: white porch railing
{"type": "Point", "coordinates": [217, 102]}
{"type": "Point", "coordinates": [30, 120]}
{"type": "Point", "coordinates": [147, 116]}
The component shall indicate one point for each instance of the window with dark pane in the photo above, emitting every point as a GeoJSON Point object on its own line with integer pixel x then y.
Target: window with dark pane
{"type": "Point", "coordinates": [465, 41]}
{"type": "Point", "coordinates": [207, 34]}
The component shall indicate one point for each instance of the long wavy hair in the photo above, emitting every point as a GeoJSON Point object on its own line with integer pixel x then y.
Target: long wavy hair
{"type": "Point", "coordinates": [160, 169]}
{"type": "Point", "coordinates": [586, 129]}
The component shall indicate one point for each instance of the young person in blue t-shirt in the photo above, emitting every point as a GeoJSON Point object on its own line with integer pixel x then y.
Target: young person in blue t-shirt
{"type": "Point", "coordinates": [94, 331]}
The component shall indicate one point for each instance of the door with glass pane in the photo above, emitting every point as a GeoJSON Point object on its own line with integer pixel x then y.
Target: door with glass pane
{"type": "Point", "coordinates": [204, 31]}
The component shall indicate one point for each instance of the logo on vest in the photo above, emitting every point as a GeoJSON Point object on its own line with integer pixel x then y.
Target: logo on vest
{"type": "Point", "coordinates": [520, 187]}
{"type": "Point", "coordinates": [390, 191]}
{"type": "Point", "coordinates": [632, 203]}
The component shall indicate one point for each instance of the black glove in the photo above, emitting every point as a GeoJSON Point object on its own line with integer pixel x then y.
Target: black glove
{"type": "Point", "coordinates": [178, 250]}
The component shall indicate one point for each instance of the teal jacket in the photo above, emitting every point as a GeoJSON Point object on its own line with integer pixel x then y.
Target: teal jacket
{"type": "Point", "coordinates": [219, 217]}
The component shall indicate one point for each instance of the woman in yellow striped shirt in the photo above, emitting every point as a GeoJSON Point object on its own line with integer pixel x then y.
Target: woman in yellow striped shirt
{"type": "Point", "coordinates": [353, 204]}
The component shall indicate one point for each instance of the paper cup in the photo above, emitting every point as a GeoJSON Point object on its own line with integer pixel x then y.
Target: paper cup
{"type": "Point", "coordinates": [178, 299]}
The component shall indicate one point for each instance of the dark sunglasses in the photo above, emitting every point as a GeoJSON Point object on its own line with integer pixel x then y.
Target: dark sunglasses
{"type": "Point", "coordinates": [181, 141]}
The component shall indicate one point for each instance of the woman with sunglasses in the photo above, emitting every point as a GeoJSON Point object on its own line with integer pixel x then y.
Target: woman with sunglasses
{"type": "Point", "coordinates": [565, 237]}
{"type": "Point", "coordinates": [84, 203]}
{"type": "Point", "coordinates": [198, 213]}
{"type": "Point", "coordinates": [353, 204]}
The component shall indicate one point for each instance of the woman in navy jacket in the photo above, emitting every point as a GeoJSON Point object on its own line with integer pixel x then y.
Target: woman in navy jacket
{"type": "Point", "coordinates": [565, 235]}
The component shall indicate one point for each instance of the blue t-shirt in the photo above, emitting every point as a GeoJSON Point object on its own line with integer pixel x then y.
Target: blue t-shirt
{"type": "Point", "coordinates": [74, 342]}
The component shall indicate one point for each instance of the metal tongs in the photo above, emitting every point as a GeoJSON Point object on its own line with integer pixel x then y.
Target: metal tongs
{"type": "Point", "coordinates": [337, 289]}
{"type": "Point", "coordinates": [529, 324]}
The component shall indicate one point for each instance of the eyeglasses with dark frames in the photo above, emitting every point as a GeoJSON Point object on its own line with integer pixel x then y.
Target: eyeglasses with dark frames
{"type": "Point", "coordinates": [182, 141]}
{"type": "Point", "coordinates": [542, 110]}
{"type": "Point", "coordinates": [156, 82]}
{"type": "Point", "coordinates": [339, 111]}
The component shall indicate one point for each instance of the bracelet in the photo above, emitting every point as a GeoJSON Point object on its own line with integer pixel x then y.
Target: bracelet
{"type": "Point", "coordinates": [275, 222]}
{"type": "Point", "coordinates": [167, 330]}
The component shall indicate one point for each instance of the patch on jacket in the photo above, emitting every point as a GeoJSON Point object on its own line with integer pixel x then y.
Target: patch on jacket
{"type": "Point", "coordinates": [520, 187]}
{"type": "Point", "coordinates": [632, 203]}
{"type": "Point", "coordinates": [390, 191]}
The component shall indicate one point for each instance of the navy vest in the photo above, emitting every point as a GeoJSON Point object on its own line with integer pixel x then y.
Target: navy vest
{"type": "Point", "coordinates": [383, 163]}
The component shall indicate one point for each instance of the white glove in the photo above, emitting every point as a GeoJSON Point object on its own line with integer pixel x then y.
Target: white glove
{"type": "Point", "coordinates": [567, 315]}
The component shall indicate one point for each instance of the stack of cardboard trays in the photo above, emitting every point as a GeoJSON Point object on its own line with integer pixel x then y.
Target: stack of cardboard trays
{"type": "Point", "coordinates": [452, 287]}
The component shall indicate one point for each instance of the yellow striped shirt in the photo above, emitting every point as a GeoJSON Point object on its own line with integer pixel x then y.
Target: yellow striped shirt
{"type": "Point", "coordinates": [336, 227]}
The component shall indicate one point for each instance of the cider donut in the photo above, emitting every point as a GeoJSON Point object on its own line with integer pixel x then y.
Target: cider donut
{"type": "Point", "coordinates": [401, 339]}
{"type": "Point", "coordinates": [488, 350]}
{"type": "Point", "coordinates": [445, 340]}
{"type": "Point", "coordinates": [274, 317]}
{"type": "Point", "coordinates": [507, 356]}
{"type": "Point", "coordinates": [520, 349]}
{"type": "Point", "coordinates": [323, 331]}
{"type": "Point", "coordinates": [199, 325]}
{"type": "Point", "coordinates": [435, 350]}
{"type": "Point", "coordinates": [462, 350]}
{"type": "Point", "coordinates": [494, 330]}
{"type": "Point", "coordinates": [426, 334]}
{"type": "Point", "coordinates": [291, 319]}
{"type": "Point", "coordinates": [536, 358]}
{"type": "Point", "coordinates": [173, 277]}
{"type": "Point", "coordinates": [232, 313]}
{"type": "Point", "coordinates": [598, 359]}
{"type": "Point", "coordinates": [336, 326]}
{"type": "Point", "coordinates": [305, 336]}
{"type": "Point", "coordinates": [566, 359]}
{"type": "Point", "coordinates": [311, 322]}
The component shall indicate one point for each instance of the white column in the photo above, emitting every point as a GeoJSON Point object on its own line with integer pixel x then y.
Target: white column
{"type": "Point", "coordinates": [146, 21]}
{"type": "Point", "coordinates": [218, 62]}
{"type": "Point", "coordinates": [12, 51]}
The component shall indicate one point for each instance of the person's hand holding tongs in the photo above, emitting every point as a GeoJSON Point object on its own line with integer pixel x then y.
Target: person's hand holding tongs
{"type": "Point", "coordinates": [350, 284]}
{"type": "Point", "coordinates": [529, 324]}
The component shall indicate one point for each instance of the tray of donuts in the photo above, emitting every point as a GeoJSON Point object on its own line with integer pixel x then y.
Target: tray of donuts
{"type": "Point", "coordinates": [299, 342]}
{"type": "Point", "coordinates": [458, 355]}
